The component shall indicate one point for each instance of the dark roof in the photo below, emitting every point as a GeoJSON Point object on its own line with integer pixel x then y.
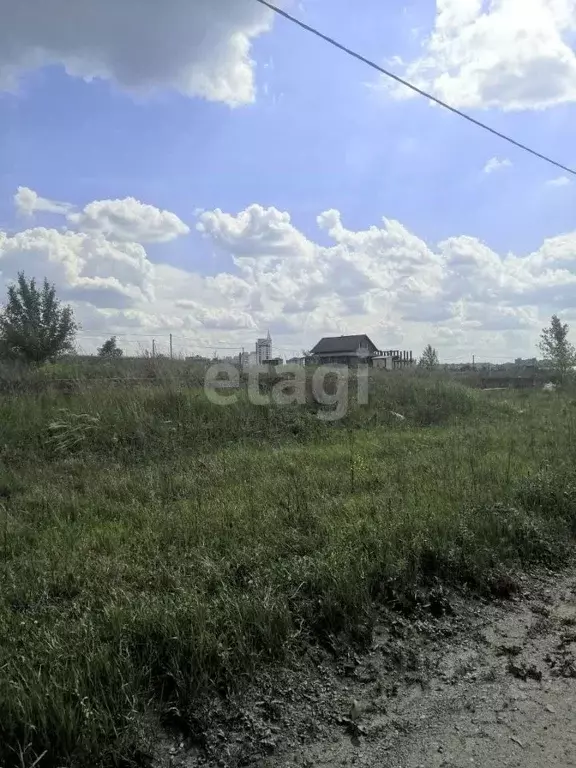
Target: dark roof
{"type": "Point", "coordinates": [342, 345]}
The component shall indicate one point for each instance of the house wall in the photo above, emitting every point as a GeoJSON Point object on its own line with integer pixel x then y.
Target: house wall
{"type": "Point", "coordinates": [351, 360]}
{"type": "Point", "coordinates": [383, 362]}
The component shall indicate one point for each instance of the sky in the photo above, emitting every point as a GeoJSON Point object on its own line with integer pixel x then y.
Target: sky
{"type": "Point", "coordinates": [206, 169]}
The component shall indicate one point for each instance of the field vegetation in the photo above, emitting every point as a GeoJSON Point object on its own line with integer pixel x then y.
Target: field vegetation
{"type": "Point", "coordinates": [156, 548]}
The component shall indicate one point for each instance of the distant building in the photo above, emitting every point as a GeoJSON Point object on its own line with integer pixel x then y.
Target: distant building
{"type": "Point", "coordinates": [352, 350]}
{"type": "Point", "coordinates": [346, 350]}
{"type": "Point", "coordinates": [530, 362]}
{"type": "Point", "coordinates": [296, 361]}
{"type": "Point", "coordinates": [263, 350]}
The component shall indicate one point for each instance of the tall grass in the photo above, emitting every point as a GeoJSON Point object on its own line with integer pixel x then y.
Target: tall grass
{"type": "Point", "coordinates": [155, 547]}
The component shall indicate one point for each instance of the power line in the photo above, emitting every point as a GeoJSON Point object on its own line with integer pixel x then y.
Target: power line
{"type": "Point", "coordinates": [412, 87]}
{"type": "Point", "coordinates": [150, 336]}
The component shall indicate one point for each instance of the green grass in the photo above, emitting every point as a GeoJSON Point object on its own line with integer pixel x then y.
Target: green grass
{"type": "Point", "coordinates": [155, 547]}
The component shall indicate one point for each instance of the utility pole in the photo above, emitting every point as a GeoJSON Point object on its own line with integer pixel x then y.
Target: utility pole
{"type": "Point", "coordinates": [171, 355]}
{"type": "Point", "coordinates": [473, 362]}
{"type": "Point", "coordinates": [153, 347]}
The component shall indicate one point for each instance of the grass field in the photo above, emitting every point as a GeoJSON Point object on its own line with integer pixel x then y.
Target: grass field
{"type": "Point", "coordinates": [155, 547]}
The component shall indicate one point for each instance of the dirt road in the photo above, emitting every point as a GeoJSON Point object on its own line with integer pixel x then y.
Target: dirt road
{"type": "Point", "coordinates": [494, 685]}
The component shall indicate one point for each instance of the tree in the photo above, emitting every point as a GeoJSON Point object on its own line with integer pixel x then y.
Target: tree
{"type": "Point", "coordinates": [110, 349]}
{"type": "Point", "coordinates": [34, 326]}
{"type": "Point", "coordinates": [429, 358]}
{"type": "Point", "coordinates": [557, 351]}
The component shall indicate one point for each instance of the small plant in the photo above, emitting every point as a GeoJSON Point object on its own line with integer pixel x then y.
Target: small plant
{"type": "Point", "coordinates": [71, 430]}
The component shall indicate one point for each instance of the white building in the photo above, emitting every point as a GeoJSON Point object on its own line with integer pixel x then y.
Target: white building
{"type": "Point", "coordinates": [263, 349]}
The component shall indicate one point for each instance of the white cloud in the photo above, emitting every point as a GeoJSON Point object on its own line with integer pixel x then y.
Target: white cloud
{"type": "Point", "coordinates": [217, 317]}
{"type": "Point", "coordinates": [129, 220]}
{"type": "Point", "coordinates": [560, 181]}
{"type": "Point", "coordinates": [499, 318]}
{"type": "Point", "coordinates": [383, 280]}
{"type": "Point", "coordinates": [386, 269]}
{"type": "Point", "coordinates": [29, 202]}
{"type": "Point", "coordinates": [84, 267]}
{"type": "Point", "coordinates": [198, 47]}
{"type": "Point", "coordinates": [494, 164]}
{"type": "Point", "coordinates": [257, 231]}
{"type": "Point", "coordinates": [508, 54]}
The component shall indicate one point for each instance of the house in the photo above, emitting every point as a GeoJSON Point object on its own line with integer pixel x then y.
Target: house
{"type": "Point", "coordinates": [346, 350]}
{"type": "Point", "coordinates": [350, 350]}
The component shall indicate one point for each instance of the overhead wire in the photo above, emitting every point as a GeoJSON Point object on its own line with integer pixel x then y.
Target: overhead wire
{"type": "Point", "coordinates": [402, 81]}
{"type": "Point", "coordinates": [411, 86]}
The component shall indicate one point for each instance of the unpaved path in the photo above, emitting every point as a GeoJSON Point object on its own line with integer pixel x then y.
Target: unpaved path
{"type": "Point", "coordinates": [495, 686]}
{"type": "Point", "coordinates": [503, 695]}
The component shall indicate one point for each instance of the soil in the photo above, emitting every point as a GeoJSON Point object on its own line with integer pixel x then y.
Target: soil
{"type": "Point", "coordinates": [486, 683]}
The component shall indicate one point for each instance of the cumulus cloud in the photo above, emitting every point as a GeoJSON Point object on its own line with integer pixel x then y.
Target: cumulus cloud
{"type": "Point", "coordinates": [85, 268]}
{"type": "Point", "coordinates": [461, 283]}
{"type": "Point", "coordinates": [257, 231]}
{"type": "Point", "coordinates": [129, 220]}
{"type": "Point", "coordinates": [383, 280]}
{"type": "Point", "coordinates": [217, 317]}
{"type": "Point", "coordinates": [197, 47]}
{"type": "Point", "coordinates": [508, 54]}
{"type": "Point", "coordinates": [494, 164]}
{"type": "Point", "coordinates": [29, 202]}
{"type": "Point", "coordinates": [499, 318]}
{"type": "Point", "coordinates": [560, 181]}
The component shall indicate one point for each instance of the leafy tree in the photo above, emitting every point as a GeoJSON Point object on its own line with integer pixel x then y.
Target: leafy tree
{"type": "Point", "coordinates": [110, 349]}
{"type": "Point", "coordinates": [34, 326]}
{"type": "Point", "coordinates": [429, 358]}
{"type": "Point", "coordinates": [556, 350]}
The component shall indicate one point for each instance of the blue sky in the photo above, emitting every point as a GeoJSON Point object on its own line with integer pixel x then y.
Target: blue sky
{"type": "Point", "coordinates": [322, 132]}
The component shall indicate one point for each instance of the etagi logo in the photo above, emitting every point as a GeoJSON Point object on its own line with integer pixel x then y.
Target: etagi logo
{"type": "Point", "coordinates": [329, 386]}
